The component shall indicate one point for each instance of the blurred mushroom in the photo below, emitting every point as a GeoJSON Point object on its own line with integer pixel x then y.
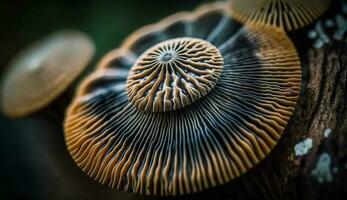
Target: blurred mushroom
{"type": "Point", "coordinates": [286, 14]}
{"type": "Point", "coordinates": [43, 71]}
{"type": "Point", "coordinates": [238, 87]}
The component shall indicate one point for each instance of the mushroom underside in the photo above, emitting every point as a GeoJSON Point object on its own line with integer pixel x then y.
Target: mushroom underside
{"type": "Point", "coordinates": [207, 143]}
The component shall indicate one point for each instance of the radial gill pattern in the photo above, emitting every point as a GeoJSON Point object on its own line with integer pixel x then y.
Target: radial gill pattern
{"type": "Point", "coordinates": [43, 71]}
{"type": "Point", "coordinates": [174, 74]}
{"type": "Point", "coordinates": [216, 138]}
{"type": "Point", "coordinates": [287, 14]}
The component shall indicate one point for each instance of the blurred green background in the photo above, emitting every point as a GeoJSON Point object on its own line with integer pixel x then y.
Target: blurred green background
{"type": "Point", "coordinates": [34, 161]}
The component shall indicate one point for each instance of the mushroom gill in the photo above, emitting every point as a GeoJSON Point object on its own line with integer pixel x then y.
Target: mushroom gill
{"type": "Point", "coordinates": [286, 14]}
{"type": "Point", "coordinates": [43, 71]}
{"type": "Point", "coordinates": [236, 121]}
{"type": "Point", "coordinates": [173, 74]}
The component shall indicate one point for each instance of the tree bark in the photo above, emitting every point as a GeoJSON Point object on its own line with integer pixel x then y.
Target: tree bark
{"type": "Point", "coordinates": [324, 107]}
{"type": "Point", "coordinates": [321, 107]}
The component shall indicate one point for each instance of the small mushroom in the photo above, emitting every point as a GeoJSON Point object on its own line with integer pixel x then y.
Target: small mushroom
{"type": "Point", "coordinates": [286, 14]}
{"type": "Point", "coordinates": [173, 74]}
{"type": "Point", "coordinates": [43, 71]}
{"type": "Point", "coordinates": [193, 104]}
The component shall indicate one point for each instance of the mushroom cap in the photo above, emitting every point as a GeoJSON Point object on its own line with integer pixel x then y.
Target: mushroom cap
{"type": "Point", "coordinates": [43, 71]}
{"type": "Point", "coordinates": [173, 74]}
{"type": "Point", "coordinates": [286, 14]}
{"type": "Point", "coordinates": [213, 140]}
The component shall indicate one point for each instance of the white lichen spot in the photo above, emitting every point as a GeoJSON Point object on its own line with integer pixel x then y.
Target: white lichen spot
{"type": "Point", "coordinates": [319, 35]}
{"type": "Point", "coordinates": [341, 24]}
{"type": "Point", "coordinates": [329, 29]}
{"type": "Point", "coordinates": [322, 171]}
{"type": "Point", "coordinates": [318, 44]}
{"type": "Point", "coordinates": [335, 170]}
{"type": "Point", "coordinates": [312, 34]}
{"type": "Point", "coordinates": [303, 147]}
{"type": "Point", "coordinates": [324, 37]}
{"type": "Point", "coordinates": [329, 23]}
{"type": "Point", "coordinates": [344, 8]}
{"type": "Point", "coordinates": [327, 132]}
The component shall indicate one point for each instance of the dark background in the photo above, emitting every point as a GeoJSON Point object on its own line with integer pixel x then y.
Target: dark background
{"type": "Point", "coordinates": [34, 161]}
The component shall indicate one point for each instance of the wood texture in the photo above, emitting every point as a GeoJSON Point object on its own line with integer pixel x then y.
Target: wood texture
{"type": "Point", "coordinates": [322, 105]}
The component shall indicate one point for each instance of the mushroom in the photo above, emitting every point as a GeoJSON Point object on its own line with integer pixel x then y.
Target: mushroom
{"type": "Point", "coordinates": [174, 74]}
{"type": "Point", "coordinates": [286, 14]}
{"type": "Point", "coordinates": [193, 104]}
{"type": "Point", "coordinates": [43, 71]}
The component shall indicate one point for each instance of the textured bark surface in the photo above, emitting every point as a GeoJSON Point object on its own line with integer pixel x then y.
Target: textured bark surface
{"type": "Point", "coordinates": [325, 101]}
{"type": "Point", "coordinates": [321, 106]}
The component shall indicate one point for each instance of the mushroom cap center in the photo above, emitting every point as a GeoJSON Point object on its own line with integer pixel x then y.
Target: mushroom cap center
{"type": "Point", "coordinates": [167, 57]}
{"type": "Point", "coordinates": [34, 64]}
{"type": "Point", "coordinates": [173, 74]}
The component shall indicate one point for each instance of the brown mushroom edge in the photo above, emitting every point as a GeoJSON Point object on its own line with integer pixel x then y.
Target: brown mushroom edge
{"type": "Point", "coordinates": [43, 71]}
{"type": "Point", "coordinates": [285, 14]}
{"type": "Point", "coordinates": [215, 139]}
